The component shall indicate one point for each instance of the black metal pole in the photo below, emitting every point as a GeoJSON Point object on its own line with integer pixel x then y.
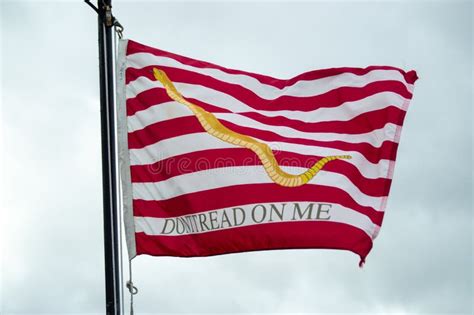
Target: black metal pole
{"type": "Point", "coordinates": [113, 283]}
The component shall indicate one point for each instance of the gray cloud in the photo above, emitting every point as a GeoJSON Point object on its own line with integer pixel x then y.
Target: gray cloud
{"type": "Point", "coordinates": [51, 227]}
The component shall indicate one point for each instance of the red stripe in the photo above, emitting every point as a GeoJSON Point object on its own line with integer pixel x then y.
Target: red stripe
{"type": "Point", "coordinates": [187, 125]}
{"type": "Point", "coordinates": [146, 99]}
{"type": "Point", "coordinates": [284, 102]}
{"type": "Point", "coordinates": [164, 130]}
{"type": "Point", "coordinates": [134, 47]}
{"type": "Point", "coordinates": [373, 154]}
{"type": "Point", "coordinates": [365, 122]}
{"type": "Point", "coordinates": [157, 96]}
{"type": "Point", "coordinates": [332, 98]}
{"type": "Point", "coordinates": [217, 158]}
{"type": "Point", "coordinates": [362, 123]}
{"type": "Point", "coordinates": [288, 235]}
{"type": "Point", "coordinates": [233, 196]}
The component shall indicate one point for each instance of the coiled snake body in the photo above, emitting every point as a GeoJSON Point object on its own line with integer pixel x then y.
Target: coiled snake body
{"type": "Point", "coordinates": [214, 127]}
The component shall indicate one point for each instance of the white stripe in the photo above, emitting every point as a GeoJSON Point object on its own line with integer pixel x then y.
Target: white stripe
{"type": "Point", "coordinates": [176, 146]}
{"type": "Point", "coordinates": [228, 102]}
{"type": "Point", "coordinates": [343, 112]}
{"type": "Point", "coordinates": [157, 113]}
{"type": "Point", "coordinates": [203, 141]}
{"type": "Point", "coordinates": [289, 213]}
{"type": "Point", "coordinates": [302, 88]}
{"type": "Point", "coordinates": [175, 110]}
{"type": "Point", "coordinates": [375, 137]}
{"type": "Point", "coordinates": [198, 92]}
{"type": "Point", "coordinates": [240, 175]}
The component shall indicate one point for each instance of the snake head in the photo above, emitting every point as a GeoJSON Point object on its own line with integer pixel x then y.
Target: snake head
{"type": "Point", "coordinates": [160, 75]}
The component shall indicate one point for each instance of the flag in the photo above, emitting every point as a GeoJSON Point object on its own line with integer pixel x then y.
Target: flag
{"type": "Point", "coordinates": [216, 160]}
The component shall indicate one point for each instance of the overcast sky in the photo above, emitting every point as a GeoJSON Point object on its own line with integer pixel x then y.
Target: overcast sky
{"type": "Point", "coordinates": [51, 224]}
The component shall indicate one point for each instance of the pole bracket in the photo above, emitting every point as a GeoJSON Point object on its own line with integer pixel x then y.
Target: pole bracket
{"type": "Point", "coordinates": [107, 18]}
{"type": "Point", "coordinates": [118, 27]}
{"type": "Point", "coordinates": [111, 21]}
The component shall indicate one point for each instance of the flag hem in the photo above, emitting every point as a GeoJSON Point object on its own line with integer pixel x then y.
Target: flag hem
{"type": "Point", "coordinates": [362, 257]}
{"type": "Point", "coordinates": [391, 166]}
{"type": "Point", "coordinates": [124, 157]}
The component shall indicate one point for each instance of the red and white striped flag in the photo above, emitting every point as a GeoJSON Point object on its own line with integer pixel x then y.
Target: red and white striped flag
{"type": "Point", "coordinates": [217, 160]}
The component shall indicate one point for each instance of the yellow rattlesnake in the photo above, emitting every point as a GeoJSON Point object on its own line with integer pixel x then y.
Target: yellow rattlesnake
{"type": "Point", "coordinates": [214, 127]}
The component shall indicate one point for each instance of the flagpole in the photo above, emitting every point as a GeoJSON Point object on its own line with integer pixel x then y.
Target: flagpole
{"type": "Point", "coordinates": [113, 277]}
